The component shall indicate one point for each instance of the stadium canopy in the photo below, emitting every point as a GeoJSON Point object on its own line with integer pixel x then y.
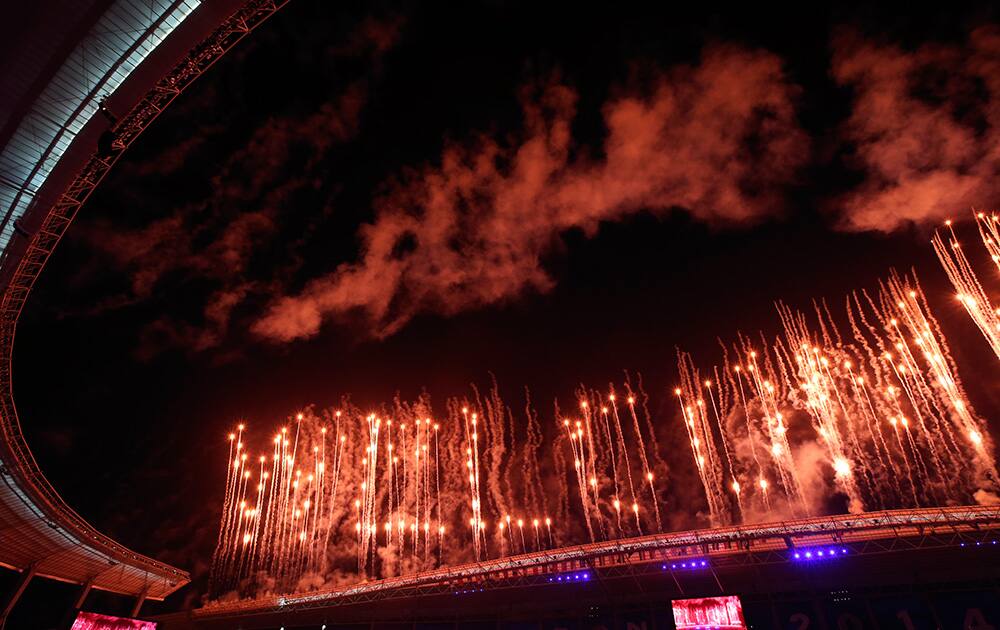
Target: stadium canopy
{"type": "Point", "coordinates": [82, 79]}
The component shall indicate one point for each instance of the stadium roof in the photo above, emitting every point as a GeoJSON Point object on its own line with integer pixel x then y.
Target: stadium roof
{"type": "Point", "coordinates": [70, 67]}
{"type": "Point", "coordinates": [118, 42]}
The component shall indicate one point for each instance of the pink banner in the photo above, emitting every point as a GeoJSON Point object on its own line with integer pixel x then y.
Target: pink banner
{"type": "Point", "coordinates": [724, 613]}
{"type": "Point", "coordinates": [94, 621]}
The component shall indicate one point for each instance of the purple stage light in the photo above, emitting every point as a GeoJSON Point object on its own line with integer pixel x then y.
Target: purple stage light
{"type": "Point", "coordinates": [818, 553]}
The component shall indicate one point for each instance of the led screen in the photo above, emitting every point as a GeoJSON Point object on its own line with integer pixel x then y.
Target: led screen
{"type": "Point", "coordinates": [94, 621]}
{"type": "Point", "coordinates": [724, 613]}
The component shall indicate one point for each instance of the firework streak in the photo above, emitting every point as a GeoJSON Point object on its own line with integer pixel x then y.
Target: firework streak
{"type": "Point", "coordinates": [867, 413]}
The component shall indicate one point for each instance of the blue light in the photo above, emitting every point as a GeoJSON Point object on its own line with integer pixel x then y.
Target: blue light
{"type": "Point", "coordinates": [570, 577]}
{"type": "Point", "coordinates": [673, 566]}
{"type": "Point", "coordinates": [817, 553]}
{"type": "Point", "coordinates": [702, 563]}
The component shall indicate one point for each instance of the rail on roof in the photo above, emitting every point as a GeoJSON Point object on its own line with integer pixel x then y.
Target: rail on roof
{"type": "Point", "coordinates": [880, 525]}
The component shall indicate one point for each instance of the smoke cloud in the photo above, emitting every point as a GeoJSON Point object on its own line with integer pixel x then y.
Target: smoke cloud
{"type": "Point", "coordinates": [925, 127]}
{"type": "Point", "coordinates": [241, 214]}
{"type": "Point", "coordinates": [717, 139]}
{"type": "Point", "coordinates": [211, 243]}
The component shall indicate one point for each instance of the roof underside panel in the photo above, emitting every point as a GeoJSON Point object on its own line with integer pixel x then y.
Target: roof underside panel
{"type": "Point", "coordinates": [116, 44]}
{"type": "Point", "coordinates": [30, 540]}
{"type": "Point", "coordinates": [34, 42]}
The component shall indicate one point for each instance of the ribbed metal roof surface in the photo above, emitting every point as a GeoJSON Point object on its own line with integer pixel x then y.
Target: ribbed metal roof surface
{"type": "Point", "coordinates": [122, 37]}
{"type": "Point", "coordinates": [29, 539]}
{"type": "Point", "coordinates": [34, 42]}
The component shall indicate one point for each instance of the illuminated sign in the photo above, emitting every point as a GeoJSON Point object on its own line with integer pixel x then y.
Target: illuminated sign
{"type": "Point", "coordinates": [94, 621]}
{"type": "Point", "coordinates": [723, 613]}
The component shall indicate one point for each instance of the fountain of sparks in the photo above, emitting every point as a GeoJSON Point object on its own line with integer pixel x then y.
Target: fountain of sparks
{"type": "Point", "coordinates": [883, 403]}
{"type": "Point", "coordinates": [872, 411]}
{"type": "Point", "coordinates": [971, 292]}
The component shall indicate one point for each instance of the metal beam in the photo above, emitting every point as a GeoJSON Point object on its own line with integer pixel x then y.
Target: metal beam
{"type": "Point", "coordinates": [84, 592]}
{"type": "Point", "coordinates": [78, 603]}
{"type": "Point", "coordinates": [139, 601]}
{"type": "Point", "coordinates": [15, 595]}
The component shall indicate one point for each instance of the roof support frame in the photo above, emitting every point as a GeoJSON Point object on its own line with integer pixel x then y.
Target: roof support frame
{"type": "Point", "coordinates": [36, 235]}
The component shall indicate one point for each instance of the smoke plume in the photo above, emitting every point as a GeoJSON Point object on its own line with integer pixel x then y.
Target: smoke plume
{"type": "Point", "coordinates": [925, 127]}
{"type": "Point", "coordinates": [718, 139]}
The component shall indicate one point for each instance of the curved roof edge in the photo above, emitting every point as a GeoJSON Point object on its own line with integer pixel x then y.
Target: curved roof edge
{"type": "Point", "coordinates": [41, 532]}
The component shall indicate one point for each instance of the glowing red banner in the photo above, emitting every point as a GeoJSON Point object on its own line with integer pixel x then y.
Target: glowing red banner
{"type": "Point", "coordinates": [94, 621]}
{"type": "Point", "coordinates": [724, 613]}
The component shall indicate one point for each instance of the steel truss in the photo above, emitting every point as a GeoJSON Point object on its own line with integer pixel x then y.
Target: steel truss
{"type": "Point", "coordinates": [19, 466]}
{"type": "Point", "coordinates": [731, 547]}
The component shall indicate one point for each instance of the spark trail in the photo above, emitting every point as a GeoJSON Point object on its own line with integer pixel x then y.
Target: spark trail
{"type": "Point", "coordinates": [971, 292]}
{"type": "Point", "coordinates": [877, 417]}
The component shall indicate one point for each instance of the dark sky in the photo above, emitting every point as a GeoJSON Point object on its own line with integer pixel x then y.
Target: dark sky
{"type": "Point", "coordinates": [803, 155]}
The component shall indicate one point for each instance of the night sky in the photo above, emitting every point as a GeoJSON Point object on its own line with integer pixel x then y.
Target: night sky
{"type": "Point", "coordinates": [615, 183]}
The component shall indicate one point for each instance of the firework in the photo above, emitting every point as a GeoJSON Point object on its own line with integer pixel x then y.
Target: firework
{"type": "Point", "coordinates": [970, 290]}
{"type": "Point", "coordinates": [873, 412]}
